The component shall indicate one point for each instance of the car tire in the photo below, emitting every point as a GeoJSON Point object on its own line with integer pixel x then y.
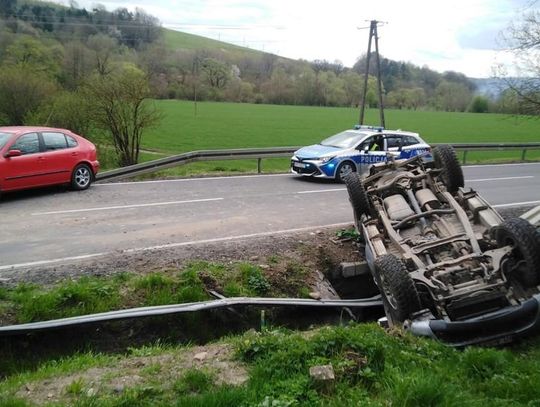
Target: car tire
{"type": "Point", "coordinates": [345, 168]}
{"type": "Point", "coordinates": [358, 197]}
{"type": "Point", "coordinates": [398, 292]}
{"type": "Point", "coordinates": [81, 177]}
{"type": "Point", "coordinates": [446, 159]}
{"type": "Point", "coordinates": [525, 240]}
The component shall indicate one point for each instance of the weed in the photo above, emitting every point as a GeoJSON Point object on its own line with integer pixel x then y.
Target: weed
{"type": "Point", "coordinates": [254, 279]}
{"type": "Point", "coordinates": [75, 388]}
{"type": "Point", "coordinates": [224, 396]}
{"type": "Point", "coordinates": [480, 363]}
{"type": "Point", "coordinates": [151, 370]}
{"type": "Point", "coordinates": [193, 381]}
{"type": "Point", "coordinates": [273, 259]}
{"type": "Point", "coordinates": [157, 348]}
{"type": "Point", "coordinates": [153, 281]}
{"type": "Point", "coordinates": [13, 402]}
{"type": "Point", "coordinates": [234, 289]}
{"type": "Point", "coordinates": [85, 296]}
{"type": "Point", "coordinates": [419, 389]}
{"type": "Point", "coordinates": [350, 233]}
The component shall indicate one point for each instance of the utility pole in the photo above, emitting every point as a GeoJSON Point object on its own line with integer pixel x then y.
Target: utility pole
{"type": "Point", "coordinates": [373, 34]}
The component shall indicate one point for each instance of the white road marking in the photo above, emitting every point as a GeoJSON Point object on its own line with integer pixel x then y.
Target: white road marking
{"type": "Point", "coordinates": [107, 208]}
{"type": "Point", "coordinates": [517, 204]}
{"type": "Point", "coordinates": [111, 184]}
{"type": "Point", "coordinates": [172, 245]}
{"type": "Point", "coordinates": [497, 165]}
{"type": "Point", "coordinates": [47, 262]}
{"type": "Point", "coordinates": [316, 191]}
{"type": "Point", "coordinates": [498, 179]}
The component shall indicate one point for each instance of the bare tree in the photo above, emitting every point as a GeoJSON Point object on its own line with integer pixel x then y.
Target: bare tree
{"type": "Point", "coordinates": [523, 40]}
{"type": "Point", "coordinates": [119, 104]}
{"type": "Point", "coordinates": [103, 47]}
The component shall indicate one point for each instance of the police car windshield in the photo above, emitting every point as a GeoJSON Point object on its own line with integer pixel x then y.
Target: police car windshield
{"type": "Point", "coordinates": [4, 137]}
{"type": "Point", "coordinates": [346, 139]}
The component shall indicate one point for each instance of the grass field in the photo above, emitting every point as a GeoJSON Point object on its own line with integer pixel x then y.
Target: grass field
{"type": "Point", "coordinates": [208, 125]}
{"type": "Point", "coordinates": [230, 125]}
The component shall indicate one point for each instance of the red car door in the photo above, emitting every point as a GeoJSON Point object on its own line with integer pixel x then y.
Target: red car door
{"type": "Point", "coordinates": [26, 170]}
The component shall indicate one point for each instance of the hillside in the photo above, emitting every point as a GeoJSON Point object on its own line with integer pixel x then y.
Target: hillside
{"type": "Point", "coordinates": [59, 48]}
{"type": "Point", "coordinates": [176, 40]}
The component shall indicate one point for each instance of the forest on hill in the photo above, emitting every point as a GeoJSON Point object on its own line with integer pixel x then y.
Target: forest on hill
{"type": "Point", "coordinates": [48, 52]}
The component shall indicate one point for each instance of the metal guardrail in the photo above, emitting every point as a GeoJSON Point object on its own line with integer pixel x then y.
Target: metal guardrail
{"type": "Point", "coordinates": [182, 308]}
{"type": "Point", "coordinates": [193, 156]}
{"type": "Point", "coordinates": [466, 147]}
{"type": "Point", "coordinates": [272, 152]}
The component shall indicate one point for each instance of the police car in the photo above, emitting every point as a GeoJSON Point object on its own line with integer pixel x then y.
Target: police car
{"type": "Point", "coordinates": [356, 150]}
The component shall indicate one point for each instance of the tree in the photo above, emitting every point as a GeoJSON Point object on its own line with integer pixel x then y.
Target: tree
{"type": "Point", "coordinates": [32, 55]}
{"type": "Point", "coordinates": [103, 47]}
{"type": "Point", "coordinates": [353, 88]}
{"type": "Point", "coordinates": [279, 88]}
{"type": "Point", "coordinates": [523, 39]}
{"type": "Point", "coordinates": [22, 91]}
{"type": "Point", "coordinates": [508, 102]}
{"type": "Point", "coordinates": [217, 72]}
{"type": "Point", "coordinates": [479, 104]}
{"type": "Point", "coordinates": [119, 104]}
{"type": "Point", "coordinates": [7, 7]}
{"type": "Point", "coordinates": [77, 64]}
{"type": "Point", "coordinates": [68, 110]}
{"type": "Point", "coordinates": [452, 97]}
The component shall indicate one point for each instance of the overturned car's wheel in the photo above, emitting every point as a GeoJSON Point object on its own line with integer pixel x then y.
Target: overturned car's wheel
{"type": "Point", "coordinates": [344, 169]}
{"type": "Point", "coordinates": [446, 159]}
{"type": "Point", "coordinates": [399, 294]}
{"type": "Point", "coordinates": [525, 241]}
{"type": "Point", "coordinates": [358, 197]}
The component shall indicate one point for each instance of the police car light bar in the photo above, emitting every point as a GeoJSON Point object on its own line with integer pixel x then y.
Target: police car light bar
{"type": "Point", "coordinates": [364, 127]}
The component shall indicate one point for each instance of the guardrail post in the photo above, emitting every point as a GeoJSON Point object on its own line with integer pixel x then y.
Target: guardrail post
{"type": "Point", "coordinates": [464, 156]}
{"type": "Point", "coordinates": [523, 154]}
{"type": "Point", "coordinates": [259, 169]}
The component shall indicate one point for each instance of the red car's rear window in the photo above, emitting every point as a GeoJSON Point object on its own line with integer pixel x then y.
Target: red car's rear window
{"type": "Point", "coordinates": [4, 137]}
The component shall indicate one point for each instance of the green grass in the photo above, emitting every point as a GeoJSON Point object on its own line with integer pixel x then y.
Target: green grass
{"type": "Point", "coordinates": [233, 125]}
{"type": "Point", "coordinates": [372, 368]}
{"type": "Point", "coordinates": [30, 303]}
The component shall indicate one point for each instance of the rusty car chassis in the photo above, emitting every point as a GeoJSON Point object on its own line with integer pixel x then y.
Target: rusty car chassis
{"type": "Point", "coordinates": [446, 263]}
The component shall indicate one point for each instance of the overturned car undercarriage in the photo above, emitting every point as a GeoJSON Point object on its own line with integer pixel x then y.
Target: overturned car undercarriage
{"type": "Point", "coordinates": [446, 263]}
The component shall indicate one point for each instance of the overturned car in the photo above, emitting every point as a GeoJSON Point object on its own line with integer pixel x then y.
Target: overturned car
{"type": "Point", "coordinates": [447, 265]}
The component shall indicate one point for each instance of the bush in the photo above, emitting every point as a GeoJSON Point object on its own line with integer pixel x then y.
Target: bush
{"type": "Point", "coordinates": [479, 104]}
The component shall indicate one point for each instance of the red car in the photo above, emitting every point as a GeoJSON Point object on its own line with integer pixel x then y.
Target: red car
{"type": "Point", "coordinates": [39, 156]}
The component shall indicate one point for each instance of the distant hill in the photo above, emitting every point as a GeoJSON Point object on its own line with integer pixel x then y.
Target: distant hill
{"type": "Point", "coordinates": [490, 87]}
{"type": "Point", "coordinates": [72, 43]}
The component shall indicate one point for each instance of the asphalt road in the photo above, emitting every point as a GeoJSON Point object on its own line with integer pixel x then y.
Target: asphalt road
{"type": "Point", "coordinates": [54, 225]}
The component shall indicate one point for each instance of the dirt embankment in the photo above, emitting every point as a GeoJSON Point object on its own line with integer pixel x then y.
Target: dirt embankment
{"type": "Point", "coordinates": [319, 250]}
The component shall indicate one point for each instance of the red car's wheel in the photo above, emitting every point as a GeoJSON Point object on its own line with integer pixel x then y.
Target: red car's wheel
{"type": "Point", "coordinates": [82, 177]}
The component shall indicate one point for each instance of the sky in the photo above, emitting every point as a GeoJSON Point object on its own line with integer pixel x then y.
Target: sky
{"type": "Point", "coordinates": [458, 35]}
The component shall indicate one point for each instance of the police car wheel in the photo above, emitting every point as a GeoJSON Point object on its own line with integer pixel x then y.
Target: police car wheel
{"type": "Point", "coordinates": [344, 169]}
